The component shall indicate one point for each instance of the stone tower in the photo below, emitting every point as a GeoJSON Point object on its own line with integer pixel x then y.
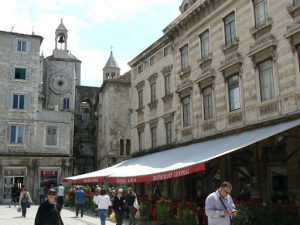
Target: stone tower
{"type": "Point", "coordinates": [111, 68]}
{"type": "Point", "coordinates": [61, 73]}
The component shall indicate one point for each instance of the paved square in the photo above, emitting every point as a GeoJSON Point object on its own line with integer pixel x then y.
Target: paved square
{"type": "Point", "coordinates": [10, 216]}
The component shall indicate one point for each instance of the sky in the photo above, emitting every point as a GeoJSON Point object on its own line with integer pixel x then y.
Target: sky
{"type": "Point", "coordinates": [95, 27]}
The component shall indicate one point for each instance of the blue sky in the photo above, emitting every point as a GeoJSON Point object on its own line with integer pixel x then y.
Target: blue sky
{"type": "Point", "coordinates": [129, 26]}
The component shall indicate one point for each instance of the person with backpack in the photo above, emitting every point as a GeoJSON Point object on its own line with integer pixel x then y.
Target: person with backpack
{"type": "Point", "coordinates": [24, 200]}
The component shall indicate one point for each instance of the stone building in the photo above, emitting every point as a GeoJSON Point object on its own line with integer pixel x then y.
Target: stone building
{"type": "Point", "coordinates": [113, 113]}
{"type": "Point", "coordinates": [36, 111]}
{"type": "Point", "coordinates": [85, 129]}
{"type": "Point", "coordinates": [222, 68]}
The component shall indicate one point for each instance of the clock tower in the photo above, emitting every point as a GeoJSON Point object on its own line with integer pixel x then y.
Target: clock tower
{"type": "Point", "coordinates": [61, 74]}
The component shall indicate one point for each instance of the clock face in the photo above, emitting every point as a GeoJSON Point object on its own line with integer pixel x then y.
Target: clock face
{"type": "Point", "coordinates": [60, 84]}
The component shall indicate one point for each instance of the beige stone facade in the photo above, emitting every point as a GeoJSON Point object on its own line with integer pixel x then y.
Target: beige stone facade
{"type": "Point", "coordinates": [36, 113]}
{"type": "Point", "coordinates": [234, 65]}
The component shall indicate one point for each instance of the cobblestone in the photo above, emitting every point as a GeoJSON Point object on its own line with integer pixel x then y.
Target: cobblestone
{"type": "Point", "coordinates": [10, 216]}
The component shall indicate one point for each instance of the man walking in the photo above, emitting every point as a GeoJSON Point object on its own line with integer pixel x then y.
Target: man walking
{"type": "Point", "coordinates": [60, 197]}
{"type": "Point", "coordinates": [130, 198]}
{"type": "Point", "coordinates": [118, 206]}
{"type": "Point", "coordinates": [219, 206]}
{"type": "Point", "coordinates": [79, 201]}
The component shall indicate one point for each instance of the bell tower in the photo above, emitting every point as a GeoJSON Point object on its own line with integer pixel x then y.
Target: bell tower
{"type": "Point", "coordinates": [61, 41]}
{"type": "Point", "coordinates": [111, 69]}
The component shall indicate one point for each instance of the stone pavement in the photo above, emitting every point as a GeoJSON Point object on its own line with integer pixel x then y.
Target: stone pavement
{"type": "Point", "coordinates": [10, 216]}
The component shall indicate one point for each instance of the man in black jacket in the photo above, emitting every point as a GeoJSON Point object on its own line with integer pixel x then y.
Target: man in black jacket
{"type": "Point", "coordinates": [47, 213]}
{"type": "Point", "coordinates": [130, 198]}
{"type": "Point", "coordinates": [118, 206]}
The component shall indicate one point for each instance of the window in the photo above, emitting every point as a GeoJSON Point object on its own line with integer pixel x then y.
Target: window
{"type": "Point", "coordinates": [128, 147]}
{"type": "Point", "coordinates": [66, 103]}
{"type": "Point", "coordinates": [266, 79]}
{"type": "Point", "coordinates": [21, 46]}
{"type": "Point", "coordinates": [168, 84]}
{"type": "Point", "coordinates": [140, 98]}
{"type": "Point", "coordinates": [153, 137]}
{"type": "Point", "coordinates": [151, 61]}
{"type": "Point", "coordinates": [141, 140]}
{"type": "Point", "coordinates": [18, 101]}
{"type": "Point", "coordinates": [169, 132]}
{"type": "Point", "coordinates": [261, 12]}
{"type": "Point", "coordinates": [229, 27]}
{"type": "Point", "coordinates": [204, 41]}
{"type": "Point", "coordinates": [167, 50]}
{"type": "Point", "coordinates": [113, 75]}
{"type": "Point", "coordinates": [207, 103]}
{"type": "Point", "coordinates": [16, 134]}
{"type": "Point", "coordinates": [234, 92]}
{"type": "Point", "coordinates": [121, 147]}
{"type": "Point", "coordinates": [140, 68]}
{"type": "Point", "coordinates": [20, 73]}
{"type": "Point", "coordinates": [186, 111]}
{"type": "Point", "coordinates": [51, 136]}
{"type": "Point", "coordinates": [153, 91]}
{"type": "Point", "coordinates": [184, 52]}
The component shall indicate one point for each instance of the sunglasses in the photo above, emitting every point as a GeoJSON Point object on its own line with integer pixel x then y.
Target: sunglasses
{"type": "Point", "coordinates": [227, 192]}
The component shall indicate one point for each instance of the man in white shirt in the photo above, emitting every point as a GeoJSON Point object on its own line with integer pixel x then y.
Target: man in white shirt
{"type": "Point", "coordinates": [219, 206]}
{"type": "Point", "coordinates": [60, 197]}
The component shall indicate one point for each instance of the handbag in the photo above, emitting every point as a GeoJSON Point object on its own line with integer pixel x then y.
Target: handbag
{"type": "Point", "coordinates": [28, 204]}
{"type": "Point", "coordinates": [136, 204]}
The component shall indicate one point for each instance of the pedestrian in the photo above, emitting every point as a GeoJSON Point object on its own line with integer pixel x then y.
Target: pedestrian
{"type": "Point", "coordinates": [42, 194]}
{"type": "Point", "coordinates": [103, 202]}
{"type": "Point", "coordinates": [15, 193]}
{"type": "Point", "coordinates": [79, 201]}
{"type": "Point", "coordinates": [118, 206]}
{"type": "Point", "coordinates": [219, 206]}
{"type": "Point", "coordinates": [60, 197]}
{"type": "Point", "coordinates": [97, 193]}
{"type": "Point", "coordinates": [47, 212]}
{"type": "Point", "coordinates": [24, 200]}
{"type": "Point", "coordinates": [130, 198]}
{"type": "Point", "coordinates": [200, 207]}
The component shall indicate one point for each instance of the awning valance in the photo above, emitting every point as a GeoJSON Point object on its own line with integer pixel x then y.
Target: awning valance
{"type": "Point", "coordinates": [179, 161]}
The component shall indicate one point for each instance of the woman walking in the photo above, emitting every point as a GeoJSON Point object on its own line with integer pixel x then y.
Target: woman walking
{"type": "Point", "coordinates": [24, 200]}
{"type": "Point", "coordinates": [103, 202]}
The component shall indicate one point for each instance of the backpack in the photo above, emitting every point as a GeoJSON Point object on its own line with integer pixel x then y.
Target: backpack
{"type": "Point", "coordinates": [24, 198]}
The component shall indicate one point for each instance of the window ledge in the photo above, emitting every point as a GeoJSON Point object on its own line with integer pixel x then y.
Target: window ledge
{"type": "Point", "coordinates": [292, 8]}
{"type": "Point", "coordinates": [233, 44]}
{"type": "Point", "coordinates": [153, 104]}
{"type": "Point", "coordinates": [141, 109]}
{"type": "Point", "coordinates": [167, 97]}
{"type": "Point", "coordinates": [206, 59]}
{"type": "Point", "coordinates": [259, 27]}
{"type": "Point", "coordinates": [185, 72]}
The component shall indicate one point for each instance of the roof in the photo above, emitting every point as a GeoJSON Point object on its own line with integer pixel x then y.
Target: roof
{"type": "Point", "coordinates": [111, 62]}
{"type": "Point", "coordinates": [62, 26]}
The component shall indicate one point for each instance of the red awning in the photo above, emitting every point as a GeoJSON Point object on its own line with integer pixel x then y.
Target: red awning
{"type": "Point", "coordinates": [179, 161]}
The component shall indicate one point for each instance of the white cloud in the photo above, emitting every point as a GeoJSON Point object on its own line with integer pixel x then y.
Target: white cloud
{"type": "Point", "coordinates": [43, 17]}
{"type": "Point", "coordinates": [92, 64]}
{"type": "Point", "coordinates": [106, 10]}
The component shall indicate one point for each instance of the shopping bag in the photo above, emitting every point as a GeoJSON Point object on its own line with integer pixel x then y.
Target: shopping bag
{"type": "Point", "coordinates": [19, 209]}
{"type": "Point", "coordinates": [112, 217]}
{"type": "Point", "coordinates": [137, 214]}
{"type": "Point", "coordinates": [136, 204]}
